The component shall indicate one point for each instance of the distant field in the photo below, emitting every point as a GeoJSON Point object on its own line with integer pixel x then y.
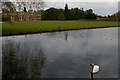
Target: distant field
{"type": "Point", "coordinates": [25, 27]}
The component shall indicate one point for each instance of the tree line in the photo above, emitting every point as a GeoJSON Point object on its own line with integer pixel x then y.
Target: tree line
{"type": "Point", "coordinates": [51, 13]}
{"type": "Point", "coordinates": [67, 14]}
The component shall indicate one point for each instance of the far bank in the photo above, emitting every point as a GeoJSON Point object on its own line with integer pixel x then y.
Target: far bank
{"type": "Point", "coordinates": [30, 27]}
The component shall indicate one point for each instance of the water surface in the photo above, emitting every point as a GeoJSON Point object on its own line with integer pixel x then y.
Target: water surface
{"type": "Point", "coordinates": [65, 54]}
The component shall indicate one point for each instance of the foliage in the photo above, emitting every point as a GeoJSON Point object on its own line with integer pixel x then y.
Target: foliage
{"type": "Point", "coordinates": [118, 16]}
{"type": "Point", "coordinates": [90, 14]}
{"type": "Point", "coordinates": [114, 17]}
{"type": "Point", "coordinates": [69, 14]}
{"type": "Point", "coordinates": [72, 13]}
{"type": "Point", "coordinates": [76, 14]}
{"type": "Point", "coordinates": [51, 14]}
{"type": "Point", "coordinates": [35, 5]}
{"type": "Point", "coordinates": [5, 14]}
{"type": "Point", "coordinates": [9, 6]}
{"type": "Point", "coordinates": [61, 16]}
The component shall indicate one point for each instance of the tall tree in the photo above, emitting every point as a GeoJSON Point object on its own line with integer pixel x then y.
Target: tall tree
{"type": "Point", "coordinates": [25, 9]}
{"type": "Point", "coordinates": [66, 12]}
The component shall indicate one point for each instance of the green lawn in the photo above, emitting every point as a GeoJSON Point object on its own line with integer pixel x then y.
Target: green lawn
{"type": "Point", "coordinates": [43, 26]}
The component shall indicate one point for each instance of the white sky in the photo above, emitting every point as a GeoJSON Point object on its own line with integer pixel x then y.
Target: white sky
{"type": "Point", "coordinates": [81, 0]}
{"type": "Point", "coordinates": [101, 7]}
{"type": "Point", "coordinates": [66, 0]}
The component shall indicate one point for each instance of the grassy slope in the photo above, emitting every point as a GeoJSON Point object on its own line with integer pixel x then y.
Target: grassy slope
{"type": "Point", "coordinates": [34, 26]}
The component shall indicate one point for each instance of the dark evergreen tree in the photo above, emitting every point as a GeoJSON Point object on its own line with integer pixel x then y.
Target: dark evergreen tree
{"type": "Point", "coordinates": [25, 9]}
{"type": "Point", "coordinates": [66, 12]}
{"type": "Point", "coordinates": [108, 16]}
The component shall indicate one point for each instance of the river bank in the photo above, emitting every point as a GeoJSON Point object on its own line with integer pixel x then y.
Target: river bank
{"type": "Point", "coordinates": [32, 27]}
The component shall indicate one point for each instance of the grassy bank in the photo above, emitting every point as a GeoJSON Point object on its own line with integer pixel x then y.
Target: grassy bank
{"type": "Point", "coordinates": [25, 27]}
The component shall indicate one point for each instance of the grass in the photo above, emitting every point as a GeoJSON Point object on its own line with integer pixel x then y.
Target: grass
{"type": "Point", "coordinates": [46, 26]}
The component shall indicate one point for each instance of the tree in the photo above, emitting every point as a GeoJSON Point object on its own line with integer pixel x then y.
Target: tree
{"type": "Point", "coordinates": [25, 9]}
{"type": "Point", "coordinates": [61, 16]}
{"type": "Point", "coordinates": [90, 11]}
{"type": "Point", "coordinates": [35, 5]}
{"type": "Point", "coordinates": [21, 6]}
{"type": "Point", "coordinates": [8, 10]}
{"type": "Point", "coordinates": [5, 15]}
{"type": "Point", "coordinates": [9, 6]}
{"type": "Point", "coordinates": [76, 14]}
{"type": "Point", "coordinates": [90, 14]}
{"type": "Point", "coordinates": [82, 14]}
{"type": "Point", "coordinates": [118, 16]}
{"type": "Point", "coordinates": [108, 16]}
{"type": "Point", "coordinates": [66, 12]}
{"type": "Point", "coordinates": [72, 14]}
{"type": "Point", "coordinates": [51, 14]}
{"type": "Point", "coordinates": [94, 16]}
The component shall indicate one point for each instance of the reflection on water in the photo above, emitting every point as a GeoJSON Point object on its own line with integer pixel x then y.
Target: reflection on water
{"type": "Point", "coordinates": [61, 54]}
{"type": "Point", "coordinates": [21, 62]}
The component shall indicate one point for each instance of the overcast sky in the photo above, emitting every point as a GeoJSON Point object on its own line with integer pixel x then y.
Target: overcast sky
{"type": "Point", "coordinates": [100, 7]}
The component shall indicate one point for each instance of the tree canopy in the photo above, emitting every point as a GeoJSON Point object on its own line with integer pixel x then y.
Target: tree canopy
{"type": "Point", "coordinates": [67, 14]}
